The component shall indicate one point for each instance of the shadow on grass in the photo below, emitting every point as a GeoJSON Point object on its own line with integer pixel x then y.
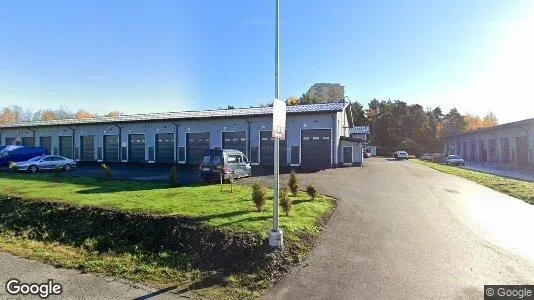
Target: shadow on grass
{"type": "Point", "coordinates": [207, 218]}
{"type": "Point", "coordinates": [129, 186]}
{"type": "Point", "coordinates": [295, 202]}
{"type": "Point", "coordinates": [92, 185]}
{"type": "Point", "coordinates": [249, 219]}
{"type": "Point", "coordinates": [169, 241]}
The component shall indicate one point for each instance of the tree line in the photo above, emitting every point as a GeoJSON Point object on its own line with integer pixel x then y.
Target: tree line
{"type": "Point", "coordinates": [397, 125]}
{"type": "Point", "coordinates": [15, 114]}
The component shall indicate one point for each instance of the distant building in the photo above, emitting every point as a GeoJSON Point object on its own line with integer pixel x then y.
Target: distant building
{"type": "Point", "coordinates": [359, 133]}
{"type": "Point", "coordinates": [327, 92]}
{"type": "Point", "coordinates": [506, 143]}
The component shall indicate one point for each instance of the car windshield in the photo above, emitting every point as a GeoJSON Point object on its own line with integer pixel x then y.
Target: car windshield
{"type": "Point", "coordinates": [454, 157]}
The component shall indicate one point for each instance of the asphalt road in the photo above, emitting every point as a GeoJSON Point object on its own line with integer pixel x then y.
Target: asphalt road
{"type": "Point", "coordinates": [401, 231]}
{"type": "Point", "coordinates": [405, 231]}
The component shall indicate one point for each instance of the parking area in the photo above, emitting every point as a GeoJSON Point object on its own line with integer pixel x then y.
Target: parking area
{"type": "Point", "coordinates": [514, 173]}
{"type": "Point", "coordinates": [151, 173]}
{"type": "Point", "coordinates": [186, 175]}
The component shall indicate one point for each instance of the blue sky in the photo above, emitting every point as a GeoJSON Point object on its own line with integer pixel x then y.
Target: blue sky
{"type": "Point", "coordinates": [150, 56]}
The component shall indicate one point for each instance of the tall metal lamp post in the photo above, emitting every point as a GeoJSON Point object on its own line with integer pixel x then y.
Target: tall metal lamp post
{"type": "Point", "coordinates": [276, 238]}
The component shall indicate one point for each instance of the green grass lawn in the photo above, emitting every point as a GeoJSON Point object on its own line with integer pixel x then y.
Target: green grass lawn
{"type": "Point", "coordinates": [516, 188]}
{"type": "Point", "coordinates": [225, 209]}
{"type": "Point", "coordinates": [214, 208]}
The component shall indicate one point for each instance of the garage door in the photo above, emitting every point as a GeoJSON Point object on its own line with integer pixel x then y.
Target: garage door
{"type": "Point", "coordinates": [235, 140]}
{"type": "Point", "coordinates": [197, 143]}
{"type": "Point", "coordinates": [65, 146]}
{"type": "Point", "coordinates": [9, 141]}
{"type": "Point", "coordinates": [316, 147]}
{"type": "Point", "coordinates": [87, 143]}
{"type": "Point", "coordinates": [28, 141]}
{"type": "Point", "coordinates": [111, 148]}
{"type": "Point", "coordinates": [165, 147]}
{"type": "Point", "coordinates": [46, 142]}
{"type": "Point", "coordinates": [136, 148]}
{"type": "Point", "coordinates": [267, 149]}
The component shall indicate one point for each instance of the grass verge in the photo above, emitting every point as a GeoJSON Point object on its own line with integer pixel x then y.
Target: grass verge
{"type": "Point", "coordinates": [149, 233]}
{"type": "Point", "coordinates": [516, 188]}
{"type": "Point", "coordinates": [206, 202]}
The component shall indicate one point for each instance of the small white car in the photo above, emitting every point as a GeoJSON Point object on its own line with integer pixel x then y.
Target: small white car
{"type": "Point", "coordinates": [46, 162]}
{"type": "Point", "coordinates": [454, 160]}
{"type": "Point", "coordinates": [401, 155]}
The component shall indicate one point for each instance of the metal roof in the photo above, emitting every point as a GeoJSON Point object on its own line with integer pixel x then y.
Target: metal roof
{"type": "Point", "coordinates": [238, 112]}
{"type": "Point", "coordinates": [496, 127]}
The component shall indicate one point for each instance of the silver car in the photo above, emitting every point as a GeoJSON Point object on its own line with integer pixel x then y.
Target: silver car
{"type": "Point", "coordinates": [46, 162]}
{"type": "Point", "coordinates": [455, 160]}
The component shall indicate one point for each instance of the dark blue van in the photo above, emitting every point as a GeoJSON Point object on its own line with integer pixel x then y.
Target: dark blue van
{"type": "Point", "coordinates": [19, 153]}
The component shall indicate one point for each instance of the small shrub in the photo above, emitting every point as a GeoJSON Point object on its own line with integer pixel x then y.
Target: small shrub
{"type": "Point", "coordinates": [107, 171]}
{"type": "Point", "coordinates": [90, 244]}
{"type": "Point", "coordinates": [294, 182]}
{"type": "Point", "coordinates": [58, 170]}
{"type": "Point", "coordinates": [285, 200]}
{"type": "Point", "coordinates": [259, 195]}
{"type": "Point", "coordinates": [13, 167]}
{"type": "Point", "coordinates": [311, 190]}
{"type": "Point", "coordinates": [173, 177]}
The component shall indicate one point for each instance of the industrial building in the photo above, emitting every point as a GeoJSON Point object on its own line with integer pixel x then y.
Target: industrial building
{"type": "Point", "coordinates": [511, 143]}
{"type": "Point", "coordinates": [317, 136]}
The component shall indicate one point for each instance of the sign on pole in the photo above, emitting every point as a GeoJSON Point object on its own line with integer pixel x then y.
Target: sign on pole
{"type": "Point", "coordinates": [279, 119]}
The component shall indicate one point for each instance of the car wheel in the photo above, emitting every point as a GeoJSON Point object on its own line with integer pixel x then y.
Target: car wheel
{"type": "Point", "coordinates": [67, 167]}
{"type": "Point", "coordinates": [33, 169]}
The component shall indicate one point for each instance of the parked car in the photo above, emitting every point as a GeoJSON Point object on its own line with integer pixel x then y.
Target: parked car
{"type": "Point", "coordinates": [455, 160]}
{"type": "Point", "coordinates": [401, 155]}
{"type": "Point", "coordinates": [233, 163]}
{"type": "Point", "coordinates": [439, 158]}
{"type": "Point", "coordinates": [46, 162]}
{"type": "Point", "coordinates": [426, 156]}
{"type": "Point", "coordinates": [19, 154]}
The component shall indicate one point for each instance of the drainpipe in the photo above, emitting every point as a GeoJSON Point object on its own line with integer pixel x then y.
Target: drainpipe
{"type": "Point", "coordinates": [248, 138]}
{"type": "Point", "coordinates": [120, 141]}
{"type": "Point", "coordinates": [73, 142]}
{"type": "Point", "coordinates": [175, 142]}
{"type": "Point", "coordinates": [334, 131]}
{"type": "Point", "coordinates": [33, 134]}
